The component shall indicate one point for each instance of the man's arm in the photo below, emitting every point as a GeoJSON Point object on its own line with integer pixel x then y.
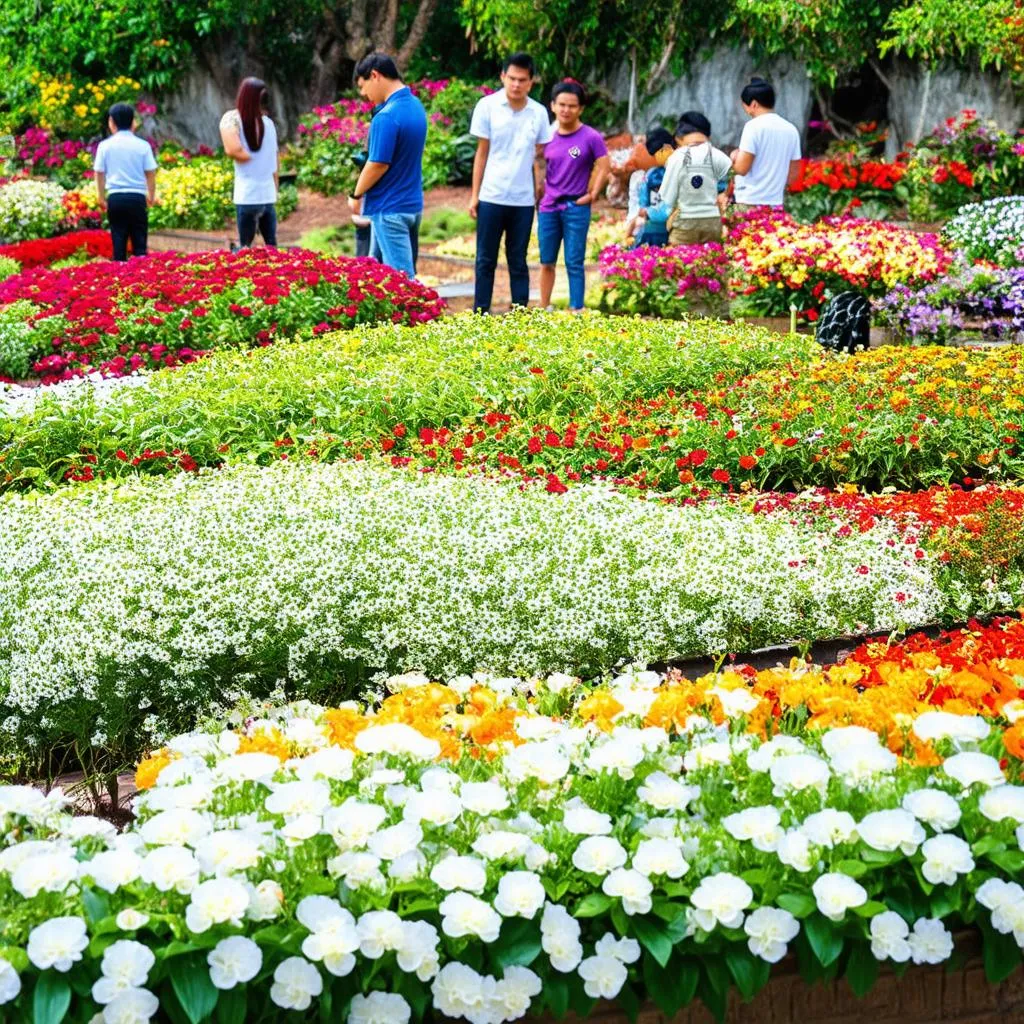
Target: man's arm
{"type": "Point", "coordinates": [669, 190]}
{"type": "Point", "coordinates": [742, 161]}
{"type": "Point", "coordinates": [101, 188]}
{"type": "Point", "coordinates": [483, 148]}
{"type": "Point", "coordinates": [794, 171]}
{"type": "Point", "coordinates": [598, 179]}
{"type": "Point", "coordinates": [371, 173]}
{"type": "Point", "coordinates": [151, 187]}
{"type": "Point", "coordinates": [540, 170]}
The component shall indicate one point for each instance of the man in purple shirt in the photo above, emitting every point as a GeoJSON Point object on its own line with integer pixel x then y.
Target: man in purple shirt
{"type": "Point", "coordinates": [577, 169]}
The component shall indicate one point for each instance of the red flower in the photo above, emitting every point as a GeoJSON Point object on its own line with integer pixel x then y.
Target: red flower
{"type": "Point", "coordinates": [747, 462]}
{"type": "Point", "coordinates": [554, 485]}
{"type": "Point", "coordinates": [698, 457]}
{"type": "Point", "coordinates": [720, 476]}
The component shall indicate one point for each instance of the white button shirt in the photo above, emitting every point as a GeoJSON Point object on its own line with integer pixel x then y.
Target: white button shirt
{"type": "Point", "coordinates": [514, 136]}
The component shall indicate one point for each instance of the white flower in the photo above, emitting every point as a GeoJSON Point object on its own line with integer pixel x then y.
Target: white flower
{"type": "Point", "coordinates": [126, 965]}
{"type": "Point", "coordinates": [934, 808]}
{"type": "Point", "coordinates": [132, 1006]}
{"type": "Point", "coordinates": [836, 893]}
{"type": "Point", "coordinates": [860, 762]}
{"type": "Point", "coordinates": [462, 914]}
{"type": "Point", "coordinates": [233, 961]}
{"type": "Point", "coordinates": [405, 681]}
{"type": "Point", "coordinates": [769, 931]}
{"type": "Point", "coordinates": [559, 681]}
{"type": "Point", "coordinates": [582, 821]}
{"type": "Point", "coordinates": [329, 763]}
{"type": "Point", "coordinates": [417, 951]}
{"type": "Point", "coordinates": [626, 950]}
{"type": "Point", "coordinates": [632, 887]}
{"type": "Point", "coordinates": [436, 807]}
{"type": "Point", "coordinates": [359, 868]}
{"type": "Point", "coordinates": [660, 857]}
{"type": "Point", "coordinates": [454, 872]}
{"type": "Point", "coordinates": [48, 872]}
{"type": "Point", "coordinates": [265, 901]}
{"type": "Point", "coordinates": [835, 741]}
{"type": "Point", "coordinates": [829, 828]}
{"type": "Point", "coordinates": [560, 938]}
{"type": "Point", "coordinates": [458, 991]}
{"type": "Point", "coordinates": [971, 767]}
{"type": "Point", "coordinates": [407, 867]}
{"type": "Point", "coordinates": [707, 755]}
{"type": "Point", "coordinates": [501, 844]}
{"type": "Point", "coordinates": [930, 942]}
{"type": "Point", "coordinates": [520, 894]}
{"type": "Point", "coordinates": [544, 761]}
{"type": "Point", "coordinates": [484, 797]}
{"type": "Point", "coordinates": [945, 857]}
{"type": "Point", "coordinates": [10, 982]}
{"type": "Point", "coordinates": [131, 920]}
{"type": "Point", "coordinates": [1003, 802]}
{"type": "Point", "coordinates": [721, 899]}
{"type": "Point", "coordinates": [180, 827]}
{"type": "Point", "coordinates": [735, 702]}
{"type": "Point", "coordinates": [379, 1008]}
{"type": "Point", "coordinates": [514, 993]}
{"type": "Point", "coordinates": [1013, 710]}
{"type": "Point", "coordinates": [760, 760]}
{"type": "Point", "coordinates": [758, 825]}
{"type": "Point", "coordinates": [794, 850]}
{"type": "Point", "coordinates": [797, 772]}
{"type": "Point", "coordinates": [292, 799]}
{"type": "Point", "coordinates": [391, 843]}
{"type": "Point", "coordinates": [941, 725]}
{"type": "Point", "coordinates": [227, 850]}
{"type": "Point", "coordinates": [352, 824]}
{"type": "Point", "coordinates": [171, 867]}
{"type": "Point", "coordinates": [891, 830]}
{"type": "Point", "coordinates": [296, 982]}
{"type": "Point", "coordinates": [603, 976]}
{"type": "Point", "coordinates": [57, 943]}
{"type": "Point", "coordinates": [597, 855]}
{"type": "Point", "coordinates": [399, 739]}
{"type": "Point", "coordinates": [889, 937]}
{"type": "Point", "coordinates": [219, 901]}
{"type": "Point", "coordinates": [112, 868]}
{"type": "Point", "coordinates": [333, 937]}
{"type": "Point", "coordinates": [664, 793]}
{"type": "Point", "coordinates": [251, 767]}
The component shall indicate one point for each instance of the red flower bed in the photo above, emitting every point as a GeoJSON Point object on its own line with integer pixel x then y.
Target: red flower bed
{"type": "Point", "coordinates": [41, 252]}
{"type": "Point", "coordinates": [171, 308]}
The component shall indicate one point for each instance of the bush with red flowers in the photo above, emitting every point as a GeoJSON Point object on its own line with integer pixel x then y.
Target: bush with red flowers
{"type": "Point", "coordinates": [170, 308]}
{"type": "Point", "coordinates": [41, 252]}
{"type": "Point", "coordinates": [828, 187]}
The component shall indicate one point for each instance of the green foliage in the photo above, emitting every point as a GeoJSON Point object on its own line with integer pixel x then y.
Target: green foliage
{"type": "Point", "coordinates": [335, 241]}
{"type": "Point", "coordinates": [8, 267]}
{"type": "Point", "coordinates": [443, 223]}
{"type": "Point", "coordinates": [19, 342]}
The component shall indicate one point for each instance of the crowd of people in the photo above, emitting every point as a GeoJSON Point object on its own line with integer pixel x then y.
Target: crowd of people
{"type": "Point", "coordinates": [525, 165]}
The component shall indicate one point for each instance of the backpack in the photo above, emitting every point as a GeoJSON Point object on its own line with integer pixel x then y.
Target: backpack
{"type": "Point", "coordinates": [650, 196]}
{"type": "Point", "coordinates": [845, 323]}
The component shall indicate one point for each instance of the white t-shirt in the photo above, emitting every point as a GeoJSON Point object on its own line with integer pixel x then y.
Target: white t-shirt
{"type": "Point", "coordinates": [254, 178]}
{"type": "Point", "coordinates": [514, 136]}
{"type": "Point", "coordinates": [774, 143]}
{"type": "Point", "coordinates": [124, 158]}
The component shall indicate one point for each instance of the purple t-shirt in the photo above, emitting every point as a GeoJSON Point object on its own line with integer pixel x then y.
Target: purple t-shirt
{"type": "Point", "coordinates": [570, 159]}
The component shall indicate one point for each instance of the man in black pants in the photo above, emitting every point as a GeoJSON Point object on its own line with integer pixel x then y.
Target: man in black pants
{"type": "Point", "coordinates": [126, 182]}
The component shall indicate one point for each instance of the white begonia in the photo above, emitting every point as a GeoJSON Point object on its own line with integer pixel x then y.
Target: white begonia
{"type": "Point", "coordinates": [836, 893]}
{"type": "Point", "coordinates": [358, 868]}
{"type": "Point", "coordinates": [514, 993]}
{"type": "Point", "coordinates": [934, 807]}
{"type": "Point", "coordinates": [405, 681]}
{"type": "Point", "coordinates": [664, 793]}
{"type": "Point", "coordinates": [218, 901]}
{"type": "Point", "coordinates": [890, 830]}
{"type": "Point", "coordinates": [794, 850]}
{"type": "Point", "coordinates": [88, 826]}
{"type": "Point", "coordinates": [501, 845]}
{"type": "Point", "coordinates": [603, 976]}
{"type": "Point", "coordinates": [520, 894]}
{"type": "Point", "coordinates": [597, 855]}
{"type": "Point", "coordinates": [941, 725]}
{"type": "Point", "coordinates": [226, 851]}
{"type": "Point", "coordinates": [379, 1008]}
{"type": "Point", "coordinates": [131, 920]}
{"type": "Point", "coordinates": [462, 914]}
{"type": "Point", "coordinates": [860, 763]}
{"type": "Point", "coordinates": [333, 937]}
{"type": "Point", "coordinates": [970, 768]}
{"type": "Point", "coordinates": [1006, 902]}
{"type": "Point", "coordinates": [706, 756]}
{"type": "Point", "coordinates": [112, 869]}
{"type": "Point", "coordinates": [391, 843]}
{"type": "Point", "coordinates": [829, 828]}
{"type": "Point", "coordinates": [329, 763]}
{"type": "Point", "coordinates": [57, 943]}
{"type": "Point", "coordinates": [558, 682]}
{"type": "Point", "coordinates": [251, 767]}
{"type": "Point", "coordinates": [889, 937]}
{"type": "Point", "coordinates": [296, 983]}
{"type": "Point", "coordinates": [417, 952]}
{"type": "Point", "coordinates": [457, 872]}
{"type": "Point", "coordinates": [583, 821]}
{"type": "Point", "coordinates": [560, 938]}
{"type": "Point", "coordinates": [769, 932]}
{"type": "Point", "coordinates": [735, 703]}
{"type": "Point", "coordinates": [1003, 802]}
{"type": "Point", "coordinates": [620, 756]}
{"type": "Point", "coordinates": [352, 824]}
{"type": "Point", "coordinates": [301, 827]}
{"type": "Point", "coordinates": [946, 857]}
{"type": "Point", "coordinates": [545, 761]}
{"type": "Point", "coordinates": [132, 1006]}
{"type": "Point", "coordinates": [632, 887]}
{"type": "Point", "coordinates": [721, 899]}
{"type": "Point", "coordinates": [660, 857]}
{"type": "Point", "coordinates": [484, 797]}
{"type": "Point", "coordinates": [398, 739]}
{"type": "Point", "coordinates": [435, 807]}
{"type": "Point", "coordinates": [49, 872]}
{"type": "Point", "coordinates": [797, 772]}
{"type": "Point", "coordinates": [234, 961]}
{"type": "Point", "coordinates": [626, 950]}
{"type": "Point", "coordinates": [10, 982]}
{"type": "Point", "coordinates": [407, 867]}
{"type": "Point", "coordinates": [171, 868]}
{"type": "Point", "coordinates": [760, 826]}
{"type": "Point", "coordinates": [125, 965]}
{"type": "Point", "coordinates": [266, 901]}
{"type": "Point", "coordinates": [930, 942]}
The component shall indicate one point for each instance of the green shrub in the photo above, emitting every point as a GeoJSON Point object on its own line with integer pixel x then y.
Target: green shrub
{"type": "Point", "coordinates": [8, 267]}
{"type": "Point", "coordinates": [18, 340]}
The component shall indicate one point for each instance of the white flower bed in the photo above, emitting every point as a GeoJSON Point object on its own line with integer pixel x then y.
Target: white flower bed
{"type": "Point", "coordinates": [156, 596]}
{"type": "Point", "coordinates": [94, 388]}
{"type": "Point", "coordinates": [374, 881]}
{"type": "Point", "coordinates": [990, 230]}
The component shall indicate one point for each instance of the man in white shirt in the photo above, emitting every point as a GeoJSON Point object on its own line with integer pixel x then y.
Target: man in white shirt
{"type": "Point", "coordinates": [510, 129]}
{"type": "Point", "coordinates": [126, 182]}
{"type": "Point", "coordinates": [768, 156]}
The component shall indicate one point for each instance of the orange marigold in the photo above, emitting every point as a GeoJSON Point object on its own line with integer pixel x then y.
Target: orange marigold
{"type": "Point", "coordinates": [149, 769]}
{"type": "Point", "coordinates": [600, 708]}
{"type": "Point", "coordinates": [1013, 740]}
{"type": "Point", "coordinates": [343, 725]}
{"type": "Point", "coordinates": [266, 741]}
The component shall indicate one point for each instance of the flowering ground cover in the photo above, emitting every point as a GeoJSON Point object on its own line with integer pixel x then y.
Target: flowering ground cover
{"type": "Point", "coordinates": [170, 308]}
{"type": "Point", "coordinates": [39, 209]}
{"type": "Point", "coordinates": [495, 847]}
{"type": "Point", "coordinates": [991, 231]}
{"type": "Point", "coordinates": [41, 252]}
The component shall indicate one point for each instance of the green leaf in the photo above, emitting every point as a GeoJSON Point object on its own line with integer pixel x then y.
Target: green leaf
{"type": "Point", "coordinates": [799, 904]}
{"type": "Point", "coordinates": [620, 919]}
{"type": "Point", "coordinates": [716, 1000]}
{"type": "Point", "coordinates": [580, 1002]}
{"type": "Point", "coordinates": [556, 995]}
{"type": "Point", "coordinates": [750, 973]}
{"type": "Point", "coordinates": [987, 844]}
{"type": "Point", "coordinates": [1011, 861]}
{"type": "Point", "coordinates": [670, 987]}
{"type": "Point", "coordinates": [853, 868]}
{"type": "Point", "coordinates": [870, 909]}
{"type": "Point", "coordinates": [1000, 954]}
{"type": "Point", "coordinates": [190, 979]}
{"type": "Point", "coordinates": [231, 1006]}
{"type": "Point", "coordinates": [518, 943]}
{"type": "Point", "coordinates": [628, 1001]}
{"type": "Point", "coordinates": [51, 998]}
{"type": "Point", "coordinates": [416, 994]}
{"type": "Point", "coordinates": [826, 942]}
{"type": "Point", "coordinates": [15, 956]}
{"type": "Point", "coordinates": [96, 905]}
{"type": "Point", "coordinates": [654, 938]}
{"type": "Point", "coordinates": [593, 905]}
{"type": "Point", "coordinates": [861, 969]}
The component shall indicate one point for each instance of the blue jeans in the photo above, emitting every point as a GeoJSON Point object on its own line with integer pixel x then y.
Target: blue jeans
{"type": "Point", "coordinates": [249, 216]}
{"type": "Point", "coordinates": [514, 222]}
{"type": "Point", "coordinates": [395, 240]}
{"type": "Point", "coordinates": [571, 224]}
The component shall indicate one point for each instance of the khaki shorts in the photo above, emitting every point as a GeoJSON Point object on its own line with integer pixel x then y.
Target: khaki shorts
{"type": "Point", "coordinates": [694, 230]}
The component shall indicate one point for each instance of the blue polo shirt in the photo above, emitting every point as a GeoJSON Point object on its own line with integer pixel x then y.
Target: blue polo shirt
{"type": "Point", "coordinates": [398, 133]}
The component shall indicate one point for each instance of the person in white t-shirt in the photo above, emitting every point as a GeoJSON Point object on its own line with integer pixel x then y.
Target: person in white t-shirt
{"type": "Point", "coordinates": [768, 156]}
{"type": "Point", "coordinates": [511, 130]}
{"type": "Point", "coordinates": [690, 188]}
{"type": "Point", "coordinates": [250, 139]}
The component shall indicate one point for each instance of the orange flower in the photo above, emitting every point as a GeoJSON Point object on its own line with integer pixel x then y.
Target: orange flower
{"type": "Point", "coordinates": [495, 727]}
{"type": "Point", "coordinates": [149, 770]}
{"type": "Point", "coordinates": [266, 741]}
{"type": "Point", "coordinates": [1013, 740]}
{"type": "Point", "coordinates": [600, 708]}
{"type": "Point", "coordinates": [343, 725]}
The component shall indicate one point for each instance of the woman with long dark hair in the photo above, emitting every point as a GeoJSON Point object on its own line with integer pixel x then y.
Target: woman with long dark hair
{"type": "Point", "coordinates": [250, 139]}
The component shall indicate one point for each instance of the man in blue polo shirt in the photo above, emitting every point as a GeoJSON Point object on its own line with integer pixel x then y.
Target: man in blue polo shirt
{"type": "Point", "coordinates": [390, 184]}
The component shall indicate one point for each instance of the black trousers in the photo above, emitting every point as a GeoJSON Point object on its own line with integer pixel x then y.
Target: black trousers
{"type": "Point", "coordinates": [128, 218]}
{"type": "Point", "coordinates": [514, 222]}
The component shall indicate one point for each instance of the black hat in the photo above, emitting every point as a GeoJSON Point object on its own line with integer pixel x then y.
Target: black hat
{"type": "Point", "coordinates": [693, 121]}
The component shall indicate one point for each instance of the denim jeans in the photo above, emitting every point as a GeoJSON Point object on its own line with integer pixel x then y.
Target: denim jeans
{"type": "Point", "coordinates": [249, 216]}
{"type": "Point", "coordinates": [396, 239]}
{"type": "Point", "coordinates": [514, 222]}
{"type": "Point", "coordinates": [569, 224]}
{"type": "Point", "coordinates": [128, 218]}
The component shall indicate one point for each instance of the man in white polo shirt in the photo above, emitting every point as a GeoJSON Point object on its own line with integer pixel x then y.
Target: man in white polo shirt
{"type": "Point", "coordinates": [768, 157]}
{"type": "Point", "coordinates": [509, 127]}
{"type": "Point", "coordinates": [126, 182]}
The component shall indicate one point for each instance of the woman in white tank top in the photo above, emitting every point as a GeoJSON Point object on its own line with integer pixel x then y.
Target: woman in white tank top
{"type": "Point", "coordinates": [250, 139]}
